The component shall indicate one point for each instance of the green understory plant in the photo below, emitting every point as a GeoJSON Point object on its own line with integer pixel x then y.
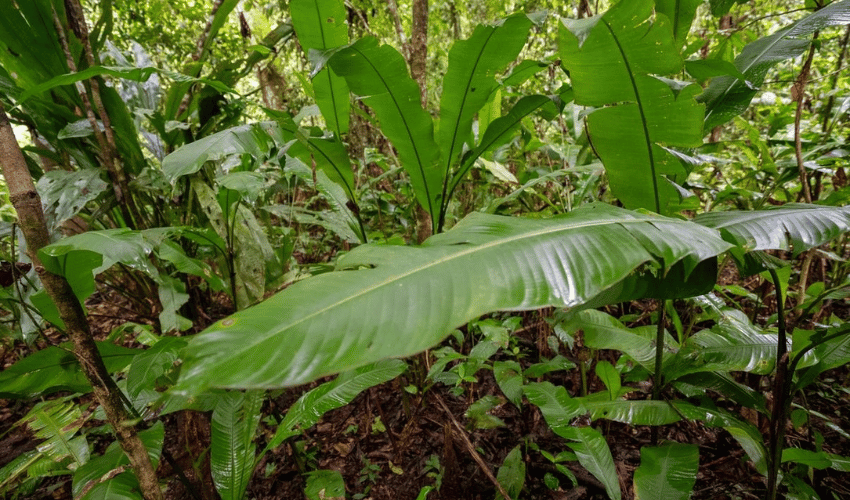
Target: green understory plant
{"type": "Point", "coordinates": [392, 301]}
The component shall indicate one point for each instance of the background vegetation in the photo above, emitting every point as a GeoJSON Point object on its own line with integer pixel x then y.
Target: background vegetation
{"type": "Point", "coordinates": [332, 249]}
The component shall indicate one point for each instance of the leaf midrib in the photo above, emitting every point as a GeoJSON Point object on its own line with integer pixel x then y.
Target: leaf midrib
{"type": "Point", "coordinates": [472, 249]}
{"type": "Point", "coordinates": [643, 119]}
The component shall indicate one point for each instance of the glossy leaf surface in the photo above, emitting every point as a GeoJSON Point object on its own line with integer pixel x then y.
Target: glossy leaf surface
{"type": "Point", "coordinates": [341, 320]}
{"type": "Point", "coordinates": [234, 423]}
{"type": "Point", "coordinates": [794, 226]}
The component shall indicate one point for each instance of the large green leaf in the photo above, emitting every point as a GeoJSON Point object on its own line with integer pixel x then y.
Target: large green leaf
{"type": "Point", "coordinates": [603, 331]}
{"type": "Point", "coordinates": [56, 369]}
{"type": "Point", "coordinates": [256, 139]}
{"type": "Point", "coordinates": [320, 25]}
{"type": "Point", "coordinates": [338, 321]}
{"type": "Point", "coordinates": [470, 80]}
{"type": "Point", "coordinates": [559, 409]}
{"type": "Point", "coordinates": [794, 226]}
{"type": "Point", "coordinates": [726, 97]}
{"type": "Point", "coordinates": [234, 423]}
{"type": "Point", "coordinates": [668, 471]}
{"type": "Point", "coordinates": [594, 455]}
{"type": "Point", "coordinates": [734, 344]}
{"type": "Point", "coordinates": [614, 61]}
{"type": "Point", "coordinates": [379, 75]}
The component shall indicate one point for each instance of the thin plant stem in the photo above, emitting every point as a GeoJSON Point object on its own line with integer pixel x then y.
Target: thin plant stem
{"type": "Point", "coordinates": [658, 382]}
{"type": "Point", "coordinates": [780, 396]}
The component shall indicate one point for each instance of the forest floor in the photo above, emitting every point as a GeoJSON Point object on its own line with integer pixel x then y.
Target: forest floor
{"type": "Point", "coordinates": [383, 442]}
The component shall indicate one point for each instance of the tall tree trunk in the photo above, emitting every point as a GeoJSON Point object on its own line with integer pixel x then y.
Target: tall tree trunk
{"type": "Point", "coordinates": [418, 55]}
{"type": "Point", "coordinates": [27, 203]}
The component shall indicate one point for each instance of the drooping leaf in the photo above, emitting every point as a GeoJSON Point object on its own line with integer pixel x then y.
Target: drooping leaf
{"type": "Point", "coordinates": [508, 375]}
{"type": "Point", "coordinates": [56, 369]}
{"type": "Point", "coordinates": [234, 423]}
{"type": "Point", "coordinates": [734, 344]}
{"type": "Point", "coordinates": [794, 226]}
{"type": "Point", "coordinates": [615, 61]}
{"type": "Point", "coordinates": [341, 320]}
{"type": "Point", "coordinates": [555, 403]}
{"type": "Point", "coordinates": [331, 395]}
{"type": "Point", "coordinates": [726, 97]}
{"type": "Point", "coordinates": [470, 80]}
{"type": "Point", "coordinates": [252, 250]}
{"type": "Point", "coordinates": [320, 25]}
{"type": "Point", "coordinates": [667, 471]}
{"type": "Point", "coordinates": [256, 139]}
{"type": "Point", "coordinates": [83, 256]}
{"type": "Point", "coordinates": [379, 75]}
{"type": "Point", "coordinates": [559, 409]}
{"type": "Point", "coordinates": [603, 331]}
{"type": "Point", "coordinates": [828, 355]}
{"type": "Point", "coordinates": [129, 73]}
{"type": "Point", "coordinates": [816, 459]}
{"type": "Point", "coordinates": [335, 196]}
{"type": "Point", "coordinates": [152, 363]}
{"type": "Point", "coordinates": [723, 384]}
{"type": "Point", "coordinates": [632, 411]}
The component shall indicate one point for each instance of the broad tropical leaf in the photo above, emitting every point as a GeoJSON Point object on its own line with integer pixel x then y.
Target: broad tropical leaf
{"type": "Point", "coordinates": [56, 369]}
{"type": "Point", "coordinates": [794, 226]}
{"type": "Point", "coordinates": [320, 25]}
{"type": "Point", "coordinates": [331, 395]}
{"type": "Point", "coordinates": [256, 139]}
{"type": "Point", "coordinates": [341, 320]}
{"type": "Point", "coordinates": [615, 61]}
{"type": "Point", "coordinates": [726, 97]}
{"type": "Point", "coordinates": [594, 455]}
{"type": "Point", "coordinates": [234, 424]}
{"type": "Point", "coordinates": [667, 471]}
{"type": "Point", "coordinates": [470, 80]}
{"type": "Point", "coordinates": [603, 331]}
{"type": "Point", "coordinates": [734, 344]}
{"type": "Point", "coordinates": [559, 409]}
{"type": "Point", "coordinates": [632, 412]}
{"type": "Point", "coordinates": [379, 75]}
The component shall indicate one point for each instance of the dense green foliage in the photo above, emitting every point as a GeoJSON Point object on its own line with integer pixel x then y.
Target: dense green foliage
{"type": "Point", "coordinates": [563, 163]}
